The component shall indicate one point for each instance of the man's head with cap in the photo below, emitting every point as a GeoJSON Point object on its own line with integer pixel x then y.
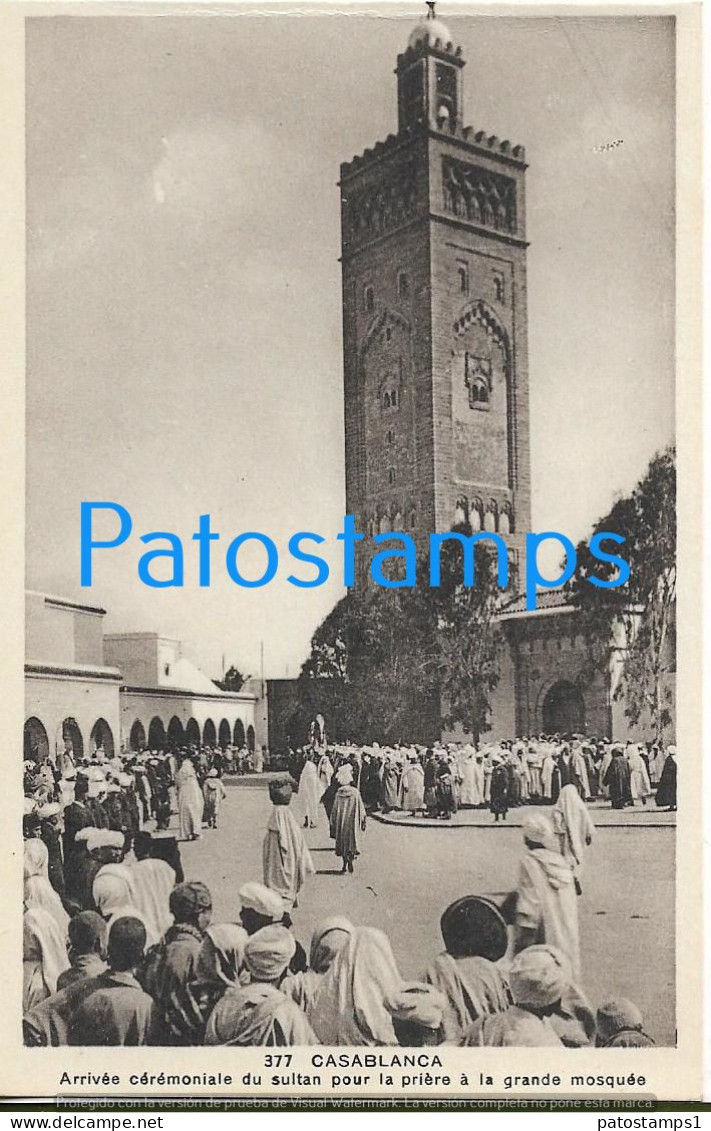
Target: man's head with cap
{"type": "Point", "coordinates": [539, 976]}
{"type": "Point", "coordinates": [108, 845]}
{"type": "Point", "coordinates": [617, 1016]}
{"type": "Point", "coordinates": [474, 926]}
{"type": "Point", "coordinates": [268, 952]}
{"type": "Point", "coordinates": [280, 791]}
{"type": "Point", "coordinates": [538, 832]}
{"type": "Point", "coordinates": [142, 845]}
{"type": "Point", "coordinates": [191, 903]}
{"type": "Point", "coordinates": [87, 934]}
{"type": "Point", "coordinates": [260, 907]}
{"type": "Point", "coordinates": [417, 1012]}
{"type": "Point", "coordinates": [127, 944]}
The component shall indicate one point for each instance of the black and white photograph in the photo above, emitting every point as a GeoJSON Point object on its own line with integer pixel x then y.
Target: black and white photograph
{"type": "Point", "coordinates": [351, 650]}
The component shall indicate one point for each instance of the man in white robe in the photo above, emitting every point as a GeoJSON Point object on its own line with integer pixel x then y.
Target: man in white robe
{"type": "Point", "coordinates": [574, 828]}
{"type": "Point", "coordinates": [472, 775]}
{"type": "Point", "coordinates": [286, 858]}
{"type": "Point", "coordinates": [639, 777]}
{"type": "Point", "coordinates": [546, 901]}
{"type": "Point", "coordinates": [310, 794]}
{"type": "Point", "coordinates": [191, 802]}
{"type": "Point", "coordinates": [259, 1013]}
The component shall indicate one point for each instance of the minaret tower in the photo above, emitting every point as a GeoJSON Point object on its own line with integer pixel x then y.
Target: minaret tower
{"type": "Point", "coordinates": [434, 313]}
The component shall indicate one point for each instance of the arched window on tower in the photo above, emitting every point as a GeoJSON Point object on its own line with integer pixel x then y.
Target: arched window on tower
{"type": "Point", "coordinates": [490, 517]}
{"type": "Point", "coordinates": [460, 512]}
{"type": "Point", "coordinates": [368, 300]}
{"type": "Point", "coordinates": [476, 516]}
{"type": "Point", "coordinates": [463, 276]}
{"type": "Point", "coordinates": [479, 393]}
{"type": "Point", "coordinates": [506, 522]}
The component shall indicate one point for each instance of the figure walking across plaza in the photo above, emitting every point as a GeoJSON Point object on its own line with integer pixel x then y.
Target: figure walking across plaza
{"type": "Point", "coordinates": [214, 794]}
{"type": "Point", "coordinates": [546, 904]}
{"type": "Point", "coordinates": [347, 818]}
{"type": "Point", "coordinates": [310, 793]}
{"type": "Point", "coordinates": [190, 802]}
{"type": "Point", "coordinates": [573, 828]}
{"type": "Point", "coordinates": [286, 858]}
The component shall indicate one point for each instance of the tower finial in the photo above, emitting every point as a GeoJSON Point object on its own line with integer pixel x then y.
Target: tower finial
{"type": "Point", "coordinates": [431, 14]}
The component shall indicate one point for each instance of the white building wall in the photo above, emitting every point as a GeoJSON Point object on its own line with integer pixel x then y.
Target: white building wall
{"type": "Point", "coordinates": [54, 698]}
{"type": "Point", "coordinates": [146, 705]}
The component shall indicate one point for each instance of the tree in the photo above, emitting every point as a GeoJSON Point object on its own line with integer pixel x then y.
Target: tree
{"type": "Point", "coordinates": [640, 615]}
{"type": "Point", "coordinates": [466, 641]}
{"type": "Point", "coordinates": [384, 661]}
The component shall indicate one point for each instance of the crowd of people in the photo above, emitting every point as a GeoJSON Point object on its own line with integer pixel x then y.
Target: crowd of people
{"type": "Point", "coordinates": [120, 948]}
{"type": "Point", "coordinates": [436, 781]}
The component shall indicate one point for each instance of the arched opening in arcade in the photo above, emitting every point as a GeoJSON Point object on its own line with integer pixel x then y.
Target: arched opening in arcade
{"type": "Point", "coordinates": [564, 709]}
{"type": "Point", "coordinates": [137, 738]}
{"type": "Point", "coordinates": [35, 741]}
{"type": "Point", "coordinates": [72, 740]}
{"type": "Point", "coordinates": [209, 734]}
{"type": "Point", "coordinates": [192, 733]}
{"type": "Point", "coordinates": [239, 735]}
{"type": "Point", "coordinates": [224, 734]}
{"type": "Point", "coordinates": [176, 734]}
{"type": "Point", "coordinates": [251, 739]}
{"type": "Point", "coordinates": [101, 738]}
{"type": "Point", "coordinates": [156, 734]}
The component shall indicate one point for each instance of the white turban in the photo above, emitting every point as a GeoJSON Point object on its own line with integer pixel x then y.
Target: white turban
{"type": "Point", "coordinates": [538, 829]}
{"type": "Point", "coordinates": [49, 809]}
{"type": "Point", "coordinates": [105, 838]}
{"type": "Point", "coordinates": [268, 952]}
{"type": "Point", "coordinates": [420, 1004]}
{"type": "Point", "coordinates": [671, 750]}
{"type": "Point", "coordinates": [112, 889]}
{"type": "Point", "coordinates": [263, 900]}
{"type": "Point", "coordinates": [539, 976]}
{"type": "Point", "coordinates": [344, 775]}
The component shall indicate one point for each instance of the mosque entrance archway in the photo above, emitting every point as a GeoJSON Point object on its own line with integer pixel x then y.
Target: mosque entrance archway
{"type": "Point", "coordinates": [564, 709]}
{"type": "Point", "coordinates": [101, 738]}
{"type": "Point", "coordinates": [240, 739]}
{"type": "Point", "coordinates": [251, 739]}
{"type": "Point", "coordinates": [225, 734]}
{"type": "Point", "coordinates": [36, 742]}
{"type": "Point", "coordinates": [209, 734]}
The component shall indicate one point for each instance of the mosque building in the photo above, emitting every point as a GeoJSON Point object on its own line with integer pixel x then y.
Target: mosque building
{"type": "Point", "coordinates": [436, 368]}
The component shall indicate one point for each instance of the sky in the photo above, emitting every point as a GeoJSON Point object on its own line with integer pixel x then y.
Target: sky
{"type": "Point", "coordinates": [183, 294]}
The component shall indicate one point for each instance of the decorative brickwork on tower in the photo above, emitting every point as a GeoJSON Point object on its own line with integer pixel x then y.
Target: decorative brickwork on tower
{"type": "Point", "coordinates": [434, 314]}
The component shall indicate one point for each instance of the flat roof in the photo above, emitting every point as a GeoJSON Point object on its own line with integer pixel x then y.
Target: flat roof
{"type": "Point", "coordinates": [65, 602]}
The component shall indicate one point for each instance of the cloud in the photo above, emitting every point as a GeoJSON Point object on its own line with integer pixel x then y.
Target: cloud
{"type": "Point", "coordinates": [211, 169]}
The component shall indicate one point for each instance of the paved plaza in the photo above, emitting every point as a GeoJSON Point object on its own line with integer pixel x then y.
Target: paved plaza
{"type": "Point", "coordinates": [406, 876]}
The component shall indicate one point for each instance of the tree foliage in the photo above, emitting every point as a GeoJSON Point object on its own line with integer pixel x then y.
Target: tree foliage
{"type": "Point", "coordinates": [233, 680]}
{"type": "Point", "coordinates": [385, 663]}
{"type": "Point", "coordinates": [640, 615]}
